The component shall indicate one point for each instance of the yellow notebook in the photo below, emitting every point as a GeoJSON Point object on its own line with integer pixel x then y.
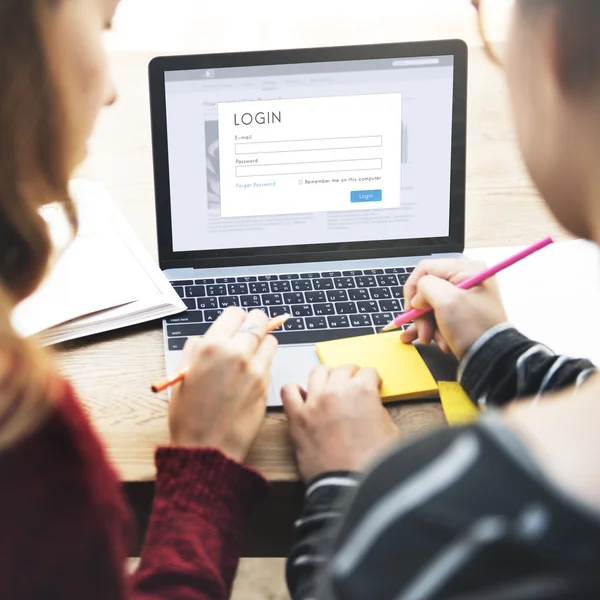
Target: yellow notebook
{"type": "Point", "coordinates": [458, 407]}
{"type": "Point", "coordinates": [404, 373]}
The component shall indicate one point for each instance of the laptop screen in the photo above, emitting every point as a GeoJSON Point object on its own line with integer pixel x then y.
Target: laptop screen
{"type": "Point", "coordinates": [315, 153]}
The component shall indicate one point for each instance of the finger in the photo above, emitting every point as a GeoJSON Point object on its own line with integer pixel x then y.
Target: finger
{"type": "Point", "coordinates": [226, 325]}
{"type": "Point", "coordinates": [441, 342]}
{"type": "Point", "coordinates": [452, 270]}
{"type": "Point", "coordinates": [251, 333]}
{"type": "Point", "coordinates": [317, 380]}
{"type": "Point", "coordinates": [293, 403]}
{"type": "Point", "coordinates": [409, 335]}
{"type": "Point", "coordinates": [342, 375]}
{"type": "Point", "coordinates": [369, 376]}
{"type": "Point", "coordinates": [263, 357]}
{"type": "Point", "coordinates": [425, 330]}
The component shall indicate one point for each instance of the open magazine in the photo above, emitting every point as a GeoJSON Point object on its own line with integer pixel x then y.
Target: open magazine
{"type": "Point", "coordinates": [102, 280]}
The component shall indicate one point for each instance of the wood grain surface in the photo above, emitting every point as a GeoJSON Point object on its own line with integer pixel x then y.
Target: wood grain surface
{"type": "Point", "coordinates": [112, 372]}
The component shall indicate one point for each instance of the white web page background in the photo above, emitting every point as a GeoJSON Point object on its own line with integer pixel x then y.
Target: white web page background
{"type": "Point", "coordinates": [194, 168]}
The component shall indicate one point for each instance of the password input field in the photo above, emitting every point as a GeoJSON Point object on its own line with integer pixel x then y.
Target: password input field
{"type": "Point", "coordinates": [373, 141]}
{"type": "Point", "coordinates": [369, 164]}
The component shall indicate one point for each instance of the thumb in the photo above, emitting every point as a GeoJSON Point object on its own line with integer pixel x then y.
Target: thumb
{"type": "Point", "coordinates": [436, 293]}
{"type": "Point", "coordinates": [292, 397]}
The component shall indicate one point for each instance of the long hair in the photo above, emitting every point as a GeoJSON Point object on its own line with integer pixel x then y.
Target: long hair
{"type": "Point", "coordinates": [33, 172]}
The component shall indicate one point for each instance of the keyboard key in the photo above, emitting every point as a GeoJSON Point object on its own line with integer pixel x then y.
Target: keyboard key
{"type": "Point", "coordinates": [382, 319]}
{"type": "Point", "coordinates": [190, 316]}
{"type": "Point", "coordinates": [360, 294]}
{"type": "Point", "coordinates": [324, 309]}
{"type": "Point", "coordinates": [212, 315]}
{"type": "Point", "coordinates": [226, 280]}
{"type": "Point", "coordinates": [313, 336]}
{"type": "Point", "coordinates": [410, 269]}
{"type": "Point", "coordinates": [313, 297]}
{"type": "Point", "coordinates": [302, 310]}
{"type": "Point", "coordinates": [302, 285]}
{"type": "Point", "coordinates": [204, 281]}
{"type": "Point", "coordinates": [288, 277]}
{"type": "Point", "coordinates": [393, 305]}
{"type": "Point", "coordinates": [180, 292]}
{"type": "Point", "coordinates": [225, 301]}
{"type": "Point", "coordinates": [344, 283]}
{"type": "Point", "coordinates": [337, 296]}
{"type": "Point", "coordinates": [272, 299]}
{"type": "Point", "coordinates": [250, 301]}
{"type": "Point", "coordinates": [346, 308]}
{"type": "Point", "coordinates": [363, 282]}
{"type": "Point", "coordinates": [187, 330]}
{"type": "Point", "coordinates": [262, 287]}
{"type": "Point", "coordinates": [373, 271]}
{"type": "Point", "coordinates": [331, 274]}
{"type": "Point", "coordinates": [338, 322]}
{"type": "Point", "coordinates": [236, 289]}
{"type": "Point", "coordinates": [215, 290]}
{"type": "Point", "coordinates": [263, 308]}
{"type": "Point", "coordinates": [207, 302]}
{"type": "Point", "coordinates": [360, 321]}
{"type": "Point", "coordinates": [380, 293]}
{"type": "Point", "coordinates": [397, 292]}
{"type": "Point", "coordinates": [368, 307]}
{"type": "Point", "coordinates": [294, 325]}
{"type": "Point", "coordinates": [387, 280]}
{"type": "Point", "coordinates": [246, 279]}
{"type": "Point", "coordinates": [268, 278]}
{"type": "Point", "coordinates": [294, 298]}
{"type": "Point", "coordinates": [402, 279]}
{"type": "Point", "coordinates": [281, 286]}
{"type": "Point", "coordinates": [194, 291]}
{"type": "Point", "coordinates": [396, 270]}
{"type": "Point", "coordinates": [354, 273]}
{"type": "Point", "coordinates": [182, 283]}
{"type": "Point", "coordinates": [316, 323]}
{"type": "Point", "coordinates": [310, 275]}
{"type": "Point", "coordinates": [323, 284]}
{"type": "Point", "coordinates": [177, 343]}
{"type": "Point", "coordinates": [190, 303]}
{"type": "Point", "coordinates": [277, 311]}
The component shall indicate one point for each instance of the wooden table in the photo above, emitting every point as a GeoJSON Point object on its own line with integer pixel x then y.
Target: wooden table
{"type": "Point", "coordinates": [112, 372]}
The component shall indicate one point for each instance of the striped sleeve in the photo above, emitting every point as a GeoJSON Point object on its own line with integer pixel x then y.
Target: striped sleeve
{"type": "Point", "coordinates": [429, 522]}
{"type": "Point", "coordinates": [325, 500]}
{"type": "Point", "coordinates": [504, 365]}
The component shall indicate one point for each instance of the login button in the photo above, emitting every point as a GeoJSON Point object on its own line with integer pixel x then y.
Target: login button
{"type": "Point", "coordinates": [366, 196]}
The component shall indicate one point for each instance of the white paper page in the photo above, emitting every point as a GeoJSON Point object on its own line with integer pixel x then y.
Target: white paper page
{"type": "Point", "coordinates": [103, 268]}
{"type": "Point", "coordinates": [553, 296]}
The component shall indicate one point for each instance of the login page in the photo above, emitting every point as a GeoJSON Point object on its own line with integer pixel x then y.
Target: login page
{"type": "Point", "coordinates": [308, 154]}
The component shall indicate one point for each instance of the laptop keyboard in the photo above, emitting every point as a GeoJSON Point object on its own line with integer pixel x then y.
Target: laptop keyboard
{"type": "Point", "coordinates": [323, 306]}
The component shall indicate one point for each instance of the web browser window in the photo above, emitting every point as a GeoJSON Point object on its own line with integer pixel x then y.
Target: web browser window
{"type": "Point", "coordinates": [310, 153]}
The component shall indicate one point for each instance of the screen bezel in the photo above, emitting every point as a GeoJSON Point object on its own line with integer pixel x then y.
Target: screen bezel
{"type": "Point", "coordinates": [169, 259]}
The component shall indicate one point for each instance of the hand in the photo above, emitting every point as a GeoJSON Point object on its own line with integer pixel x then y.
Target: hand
{"type": "Point", "coordinates": [460, 316]}
{"type": "Point", "coordinates": [340, 423]}
{"type": "Point", "coordinates": [222, 400]}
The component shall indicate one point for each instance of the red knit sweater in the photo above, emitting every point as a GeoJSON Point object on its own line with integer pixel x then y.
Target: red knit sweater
{"type": "Point", "coordinates": [65, 529]}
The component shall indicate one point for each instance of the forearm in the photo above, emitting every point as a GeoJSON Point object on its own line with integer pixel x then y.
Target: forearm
{"type": "Point", "coordinates": [504, 365]}
{"type": "Point", "coordinates": [325, 502]}
{"type": "Point", "coordinates": [193, 543]}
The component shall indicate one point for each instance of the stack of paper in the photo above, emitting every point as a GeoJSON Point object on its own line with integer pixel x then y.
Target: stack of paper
{"type": "Point", "coordinates": [103, 280]}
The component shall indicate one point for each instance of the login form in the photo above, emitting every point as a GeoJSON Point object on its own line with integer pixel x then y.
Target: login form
{"type": "Point", "coordinates": [310, 155]}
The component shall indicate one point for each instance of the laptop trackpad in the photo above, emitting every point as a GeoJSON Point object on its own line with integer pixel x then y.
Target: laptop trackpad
{"type": "Point", "coordinates": [292, 364]}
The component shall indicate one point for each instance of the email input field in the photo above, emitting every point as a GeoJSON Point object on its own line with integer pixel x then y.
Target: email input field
{"type": "Point", "coordinates": [337, 166]}
{"type": "Point", "coordinates": [373, 141]}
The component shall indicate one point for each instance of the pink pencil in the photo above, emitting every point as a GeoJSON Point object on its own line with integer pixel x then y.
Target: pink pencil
{"type": "Point", "coordinates": [467, 284]}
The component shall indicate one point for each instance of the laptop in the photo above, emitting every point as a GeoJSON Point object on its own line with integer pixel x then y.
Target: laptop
{"type": "Point", "coordinates": [306, 181]}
